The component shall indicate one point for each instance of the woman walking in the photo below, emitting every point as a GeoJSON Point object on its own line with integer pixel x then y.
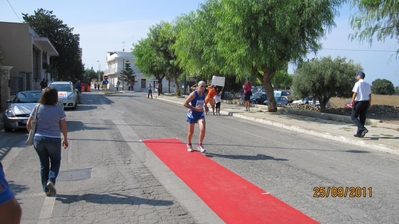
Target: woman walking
{"type": "Point", "coordinates": [47, 142]}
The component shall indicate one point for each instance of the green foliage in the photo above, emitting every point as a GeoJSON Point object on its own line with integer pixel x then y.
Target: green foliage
{"type": "Point", "coordinates": [377, 18]}
{"type": "Point", "coordinates": [282, 79]}
{"type": "Point", "coordinates": [383, 87]}
{"type": "Point", "coordinates": [128, 72]}
{"type": "Point", "coordinates": [68, 65]}
{"type": "Point", "coordinates": [89, 74]}
{"type": "Point", "coordinates": [396, 89]}
{"type": "Point", "coordinates": [325, 78]}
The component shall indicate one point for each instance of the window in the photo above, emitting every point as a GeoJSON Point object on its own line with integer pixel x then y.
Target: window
{"type": "Point", "coordinates": [143, 83]}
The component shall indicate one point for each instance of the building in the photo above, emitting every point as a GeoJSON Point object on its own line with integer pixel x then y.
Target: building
{"type": "Point", "coordinates": [26, 56]}
{"type": "Point", "coordinates": [115, 64]}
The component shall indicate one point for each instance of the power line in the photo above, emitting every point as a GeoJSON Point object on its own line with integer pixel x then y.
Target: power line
{"type": "Point", "coordinates": [338, 49]}
{"type": "Point", "coordinates": [14, 11]}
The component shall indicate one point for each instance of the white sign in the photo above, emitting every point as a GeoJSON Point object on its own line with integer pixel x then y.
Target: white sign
{"type": "Point", "coordinates": [218, 80]}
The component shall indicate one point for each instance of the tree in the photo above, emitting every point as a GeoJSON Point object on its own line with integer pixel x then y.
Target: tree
{"type": "Point", "coordinates": [147, 60]}
{"type": "Point", "coordinates": [68, 66]}
{"type": "Point", "coordinates": [375, 18]}
{"type": "Point", "coordinates": [396, 89]}
{"type": "Point", "coordinates": [282, 79]}
{"type": "Point", "coordinates": [382, 86]}
{"type": "Point", "coordinates": [128, 73]}
{"type": "Point", "coordinates": [259, 37]}
{"type": "Point", "coordinates": [325, 78]}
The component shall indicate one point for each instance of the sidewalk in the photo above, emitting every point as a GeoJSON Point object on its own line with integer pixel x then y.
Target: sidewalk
{"type": "Point", "coordinates": [381, 136]}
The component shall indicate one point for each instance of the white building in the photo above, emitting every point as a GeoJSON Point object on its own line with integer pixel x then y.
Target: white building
{"type": "Point", "coordinates": [115, 64]}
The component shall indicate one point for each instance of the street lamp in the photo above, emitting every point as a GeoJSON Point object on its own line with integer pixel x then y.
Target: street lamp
{"type": "Point", "coordinates": [99, 71]}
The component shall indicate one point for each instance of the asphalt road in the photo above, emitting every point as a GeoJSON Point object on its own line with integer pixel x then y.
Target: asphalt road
{"type": "Point", "coordinates": [108, 176]}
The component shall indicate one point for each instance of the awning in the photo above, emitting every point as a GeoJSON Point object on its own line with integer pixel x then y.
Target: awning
{"type": "Point", "coordinates": [44, 44]}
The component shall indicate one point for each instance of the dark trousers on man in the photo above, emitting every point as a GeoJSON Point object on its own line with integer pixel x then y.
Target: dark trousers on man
{"type": "Point", "coordinates": [358, 115]}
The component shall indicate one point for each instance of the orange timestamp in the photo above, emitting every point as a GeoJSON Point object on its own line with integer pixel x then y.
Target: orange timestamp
{"type": "Point", "coordinates": [342, 192]}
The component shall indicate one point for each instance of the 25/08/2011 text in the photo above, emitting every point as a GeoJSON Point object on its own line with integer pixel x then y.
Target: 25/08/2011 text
{"type": "Point", "coordinates": [342, 192]}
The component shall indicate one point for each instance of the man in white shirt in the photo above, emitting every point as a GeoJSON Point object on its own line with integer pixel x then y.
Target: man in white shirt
{"type": "Point", "coordinates": [361, 102]}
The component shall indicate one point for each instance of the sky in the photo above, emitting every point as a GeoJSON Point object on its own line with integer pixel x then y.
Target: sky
{"type": "Point", "coordinates": [106, 26]}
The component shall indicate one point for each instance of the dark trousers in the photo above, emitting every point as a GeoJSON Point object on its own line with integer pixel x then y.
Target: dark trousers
{"type": "Point", "coordinates": [358, 115]}
{"type": "Point", "coordinates": [149, 94]}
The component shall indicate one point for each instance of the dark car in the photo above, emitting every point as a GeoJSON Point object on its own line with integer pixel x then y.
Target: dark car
{"type": "Point", "coordinates": [258, 97]}
{"type": "Point", "coordinates": [18, 112]}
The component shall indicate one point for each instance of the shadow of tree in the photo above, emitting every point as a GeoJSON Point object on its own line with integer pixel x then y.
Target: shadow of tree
{"type": "Point", "coordinates": [114, 198]}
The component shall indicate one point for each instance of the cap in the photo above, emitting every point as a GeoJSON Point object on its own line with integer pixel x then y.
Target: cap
{"type": "Point", "coordinates": [201, 83]}
{"type": "Point", "coordinates": [361, 74]}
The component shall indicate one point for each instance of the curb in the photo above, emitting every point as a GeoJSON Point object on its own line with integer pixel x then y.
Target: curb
{"type": "Point", "coordinates": [319, 115]}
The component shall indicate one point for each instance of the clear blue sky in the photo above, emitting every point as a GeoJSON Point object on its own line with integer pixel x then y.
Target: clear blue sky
{"type": "Point", "coordinates": [114, 25]}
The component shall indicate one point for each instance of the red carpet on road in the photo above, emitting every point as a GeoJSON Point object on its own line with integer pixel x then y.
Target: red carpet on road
{"type": "Point", "coordinates": [231, 197]}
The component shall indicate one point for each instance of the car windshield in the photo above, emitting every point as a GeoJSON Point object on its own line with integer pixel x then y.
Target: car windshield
{"type": "Point", "coordinates": [27, 97]}
{"type": "Point", "coordinates": [258, 94]}
{"type": "Point", "coordinates": [62, 87]}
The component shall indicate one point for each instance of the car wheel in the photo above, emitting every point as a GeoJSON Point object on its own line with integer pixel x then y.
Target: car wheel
{"type": "Point", "coordinates": [7, 129]}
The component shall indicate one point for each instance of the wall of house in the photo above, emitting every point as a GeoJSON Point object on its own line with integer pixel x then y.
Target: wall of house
{"type": "Point", "coordinates": [16, 45]}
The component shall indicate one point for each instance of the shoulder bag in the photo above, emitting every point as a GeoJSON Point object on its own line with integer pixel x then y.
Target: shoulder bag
{"type": "Point", "coordinates": [33, 127]}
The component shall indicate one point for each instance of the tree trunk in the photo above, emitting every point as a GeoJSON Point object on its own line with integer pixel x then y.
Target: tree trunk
{"type": "Point", "coordinates": [159, 86]}
{"type": "Point", "coordinates": [267, 77]}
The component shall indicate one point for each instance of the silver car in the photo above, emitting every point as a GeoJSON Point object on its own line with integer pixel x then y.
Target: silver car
{"type": "Point", "coordinates": [20, 108]}
{"type": "Point", "coordinates": [67, 94]}
{"type": "Point", "coordinates": [18, 112]}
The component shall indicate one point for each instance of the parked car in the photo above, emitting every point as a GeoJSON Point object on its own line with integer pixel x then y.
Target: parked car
{"type": "Point", "coordinates": [67, 94]}
{"type": "Point", "coordinates": [258, 97]}
{"type": "Point", "coordinates": [283, 93]}
{"type": "Point", "coordinates": [19, 109]}
{"type": "Point", "coordinates": [280, 101]}
{"type": "Point", "coordinates": [227, 95]}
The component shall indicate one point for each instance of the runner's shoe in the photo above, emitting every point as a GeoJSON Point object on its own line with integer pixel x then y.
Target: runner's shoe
{"type": "Point", "coordinates": [189, 148]}
{"type": "Point", "coordinates": [201, 148]}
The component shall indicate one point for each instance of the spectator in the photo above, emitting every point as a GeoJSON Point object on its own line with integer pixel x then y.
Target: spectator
{"type": "Point", "coordinates": [149, 89]}
{"type": "Point", "coordinates": [361, 102]}
{"type": "Point", "coordinates": [247, 87]}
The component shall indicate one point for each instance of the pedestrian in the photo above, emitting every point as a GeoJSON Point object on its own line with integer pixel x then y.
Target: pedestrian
{"type": "Point", "coordinates": [195, 103]}
{"type": "Point", "coordinates": [51, 122]}
{"type": "Point", "coordinates": [10, 210]}
{"type": "Point", "coordinates": [43, 83]}
{"type": "Point", "coordinates": [98, 86]}
{"type": "Point", "coordinates": [217, 100]}
{"type": "Point", "coordinates": [361, 102]}
{"type": "Point", "coordinates": [78, 86]}
{"type": "Point", "coordinates": [95, 85]}
{"type": "Point", "coordinates": [117, 85]}
{"type": "Point", "coordinates": [247, 87]}
{"type": "Point", "coordinates": [209, 97]}
{"type": "Point", "coordinates": [149, 89]}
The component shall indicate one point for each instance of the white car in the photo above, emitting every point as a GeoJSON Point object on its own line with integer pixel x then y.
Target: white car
{"type": "Point", "coordinates": [67, 94]}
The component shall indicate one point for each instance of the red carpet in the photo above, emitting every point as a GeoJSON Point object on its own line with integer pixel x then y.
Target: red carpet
{"type": "Point", "coordinates": [231, 197]}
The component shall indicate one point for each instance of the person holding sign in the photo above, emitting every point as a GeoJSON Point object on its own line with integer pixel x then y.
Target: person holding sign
{"type": "Point", "coordinates": [212, 92]}
{"type": "Point", "coordinates": [195, 103]}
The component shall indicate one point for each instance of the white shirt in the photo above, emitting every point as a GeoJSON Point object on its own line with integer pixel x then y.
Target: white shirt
{"type": "Point", "coordinates": [363, 90]}
{"type": "Point", "coordinates": [217, 98]}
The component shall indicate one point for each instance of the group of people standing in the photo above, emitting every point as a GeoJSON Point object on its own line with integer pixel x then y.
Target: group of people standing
{"type": "Point", "coordinates": [197, 104]}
